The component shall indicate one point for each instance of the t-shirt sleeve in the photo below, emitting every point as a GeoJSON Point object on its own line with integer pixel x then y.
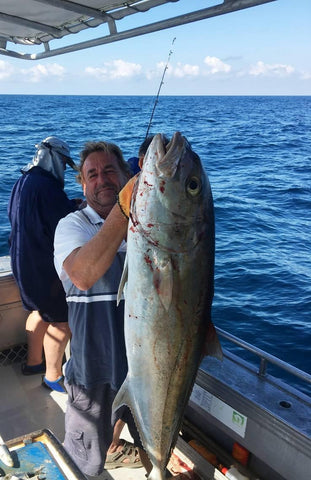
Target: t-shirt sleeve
{"type": "Point", "coordinates": [70, 233]}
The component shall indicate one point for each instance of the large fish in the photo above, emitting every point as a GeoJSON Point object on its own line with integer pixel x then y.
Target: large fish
{"type": "Point", "coordinates": [168, 285]}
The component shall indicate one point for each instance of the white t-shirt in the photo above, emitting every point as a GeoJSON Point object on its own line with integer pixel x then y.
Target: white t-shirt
{"type": "Point", "coordinates": [72, 232]}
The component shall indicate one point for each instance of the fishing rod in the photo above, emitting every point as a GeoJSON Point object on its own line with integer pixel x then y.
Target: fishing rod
{"type": "Point", "coordinates": [160, 86]}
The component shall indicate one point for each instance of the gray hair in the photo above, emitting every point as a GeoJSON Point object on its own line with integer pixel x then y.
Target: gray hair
{"type": "Point", "coordinates": [106, 147]}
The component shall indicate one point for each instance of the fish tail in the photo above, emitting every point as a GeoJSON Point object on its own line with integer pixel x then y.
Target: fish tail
{"type": "Point", "coordinates": [156, 474]}
{"type": "Point", "coordinates": [122, 397]}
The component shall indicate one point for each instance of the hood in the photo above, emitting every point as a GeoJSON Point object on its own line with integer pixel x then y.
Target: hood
{"type": "Point", "coordinates": [53, 154]}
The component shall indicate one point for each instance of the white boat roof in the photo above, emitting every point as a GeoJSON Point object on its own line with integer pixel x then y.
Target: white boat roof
{"type": "Point", "coordinates": [29, 24]}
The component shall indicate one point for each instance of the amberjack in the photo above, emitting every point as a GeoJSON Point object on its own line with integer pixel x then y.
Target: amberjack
{"type": "Point", "coordinates": [168, 283]}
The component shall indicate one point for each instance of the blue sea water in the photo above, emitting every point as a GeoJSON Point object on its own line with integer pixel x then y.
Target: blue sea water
{"type": "Point", "coordinates": [256, 152]}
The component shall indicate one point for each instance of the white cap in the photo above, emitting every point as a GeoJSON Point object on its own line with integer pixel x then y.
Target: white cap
{"type": "Point", "coordinates": [58, 145]}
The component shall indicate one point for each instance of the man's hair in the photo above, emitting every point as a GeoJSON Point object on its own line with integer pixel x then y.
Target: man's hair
{"type": "Point", "coordinates": [106, 147]}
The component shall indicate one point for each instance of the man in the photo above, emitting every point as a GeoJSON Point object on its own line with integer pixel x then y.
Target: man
{"type": "Point", "coordinates": [37, 203]}
{"type": "Point", "coordinates": [89, 256]}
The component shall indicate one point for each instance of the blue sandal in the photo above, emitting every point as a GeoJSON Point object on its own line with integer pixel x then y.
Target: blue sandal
{"type": "Point", "coordinates": [57, 385]}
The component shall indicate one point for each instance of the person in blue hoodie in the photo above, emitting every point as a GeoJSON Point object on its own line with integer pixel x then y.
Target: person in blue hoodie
{"type": "Point", "coordinates": [37, 203]}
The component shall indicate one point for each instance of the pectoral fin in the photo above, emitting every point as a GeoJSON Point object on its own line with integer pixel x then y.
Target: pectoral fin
{"type": "Point", "coordinates": [123, 281]}
{"type": "Point", "coordinates": [163, 282]}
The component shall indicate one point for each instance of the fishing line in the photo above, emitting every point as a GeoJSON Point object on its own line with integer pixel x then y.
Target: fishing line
{"type": "Point", "coordinates": [160, 86]}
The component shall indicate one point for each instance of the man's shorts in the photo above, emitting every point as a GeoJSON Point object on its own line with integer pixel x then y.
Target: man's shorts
{"type": "Point", "coordinates": [53, 318]}
{"type": "Point", "coordinates": [89, 425]}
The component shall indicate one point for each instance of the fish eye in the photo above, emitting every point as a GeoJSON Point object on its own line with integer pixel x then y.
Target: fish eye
{"type": "Point", "coordinates": [193, 186]}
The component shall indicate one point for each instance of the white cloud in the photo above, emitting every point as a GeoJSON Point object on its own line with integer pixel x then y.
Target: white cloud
{"type": "Point", "coordinates": [99, 73]}
{"type": "Point", "coordinates": [120, 69]}
{"type": "Point", "coordinates": [185, 70]}
{"type": "Point", "coordinates": [305, 76]}
{"type": "Point", "coordinates": [157, 71]}
{"type": "Point", "coordinates": [216, 65]}
{"type": "Point", "coordinates": [179, 71]}
{"type": "Point", "coordinates": [6, 70]}
{"type": "Point", "coordinates": [276, 70]}
{"type": "Point", "coordinates": [115, 69]}
{"type": "Point", "coordinates": [39, 72]}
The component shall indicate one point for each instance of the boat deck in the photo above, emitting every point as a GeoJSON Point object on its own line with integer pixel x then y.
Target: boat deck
{"type": "Point", "coordinates": [26, 407]}
{"type": "Point", "coordinates": [232, 401]}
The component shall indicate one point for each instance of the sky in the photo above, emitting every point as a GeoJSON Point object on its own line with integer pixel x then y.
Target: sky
{"type": "Point", "coordinates": [264, 50]}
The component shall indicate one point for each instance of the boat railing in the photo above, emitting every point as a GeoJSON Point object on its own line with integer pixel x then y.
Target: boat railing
{"type": "Point", "coordinates": [265, 357]}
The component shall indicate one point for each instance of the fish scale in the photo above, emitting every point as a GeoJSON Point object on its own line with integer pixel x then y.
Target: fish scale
{"type": "Point", "coordinates": [168, 283]}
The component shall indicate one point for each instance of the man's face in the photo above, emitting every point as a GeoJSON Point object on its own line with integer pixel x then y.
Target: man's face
{"type": "Point", "coordinates": [102, 179]}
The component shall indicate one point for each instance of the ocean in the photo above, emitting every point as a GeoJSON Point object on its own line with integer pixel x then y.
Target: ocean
{"type": "Point", "coordinates": [257, 154]}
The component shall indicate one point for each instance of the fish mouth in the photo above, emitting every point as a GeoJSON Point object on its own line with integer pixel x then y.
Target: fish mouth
{"type": "Point", "coordinates": [169, 156]}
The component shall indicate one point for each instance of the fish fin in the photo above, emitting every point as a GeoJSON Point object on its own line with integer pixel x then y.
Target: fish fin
{"type": "Point", "coordinates": [123, 397]}
{"type": "Point", "coordinates": [156, 474]}
{"type": "Point", "coordinates": [212, 344]}
{"type": "Point", "coordinates": [163, 282]}
{"type": "Point", "coordinates": [122, 281]}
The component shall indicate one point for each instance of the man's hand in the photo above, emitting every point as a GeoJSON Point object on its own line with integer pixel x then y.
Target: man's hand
{"type": "Point", "coordinates": [86, 264]}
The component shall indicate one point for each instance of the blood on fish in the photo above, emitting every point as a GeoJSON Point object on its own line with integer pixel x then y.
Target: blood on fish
{"type": "Point", "coordinates": [162, 186]}
{"type": "Point", "coordinates": [156, 283]}
{"type": "Point", "coordinates": [148, 261]}
{"type": "Point", "coordinates": [170, 289]}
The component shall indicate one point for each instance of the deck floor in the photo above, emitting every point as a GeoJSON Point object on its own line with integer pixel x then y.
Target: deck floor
{"type": "Point", "coordinates": [26, 406]}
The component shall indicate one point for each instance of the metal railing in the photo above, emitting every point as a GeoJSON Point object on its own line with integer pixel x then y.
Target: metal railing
{"type": "Point", "coordinates": [265, 357]}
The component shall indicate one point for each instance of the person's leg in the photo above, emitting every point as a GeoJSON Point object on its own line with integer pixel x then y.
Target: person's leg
{"type": "Point", "coordinates": [35, 331]}
{"type": "Point", "coordinates": [116, 437]}
{"type": "Point", "coordinates": [121, 453]}
{"type": "Point", "coordinates": [127, 417]}
{"type": "Point", "coordinates": [88, 428]}
{"type": "Point", "coordinates": [54, 342]}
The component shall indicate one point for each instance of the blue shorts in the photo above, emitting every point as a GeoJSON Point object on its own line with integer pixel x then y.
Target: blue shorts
{"type": "Point", "coordinates": [52, 318]}
{"type": "Point", "coordinates": [89, 425]}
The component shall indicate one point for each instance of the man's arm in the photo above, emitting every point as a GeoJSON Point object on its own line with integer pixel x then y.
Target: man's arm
{"type": "Point", "coordinates": [85, 265]}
